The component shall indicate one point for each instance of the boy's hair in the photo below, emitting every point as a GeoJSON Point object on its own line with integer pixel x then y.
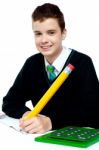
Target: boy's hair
{"type": "Point", "coordinates": [48, 10]}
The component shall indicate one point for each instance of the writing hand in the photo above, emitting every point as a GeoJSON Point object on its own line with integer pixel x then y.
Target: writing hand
{"type": "Point", "coordinates": [37, 124]}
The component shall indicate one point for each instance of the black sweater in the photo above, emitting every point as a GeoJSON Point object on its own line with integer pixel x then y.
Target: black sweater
{"type": "Point", "coordinates": [75, 103]}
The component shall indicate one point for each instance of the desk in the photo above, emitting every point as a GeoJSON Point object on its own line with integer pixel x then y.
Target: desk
{"type": "Point", "coordinates": [12, 139]}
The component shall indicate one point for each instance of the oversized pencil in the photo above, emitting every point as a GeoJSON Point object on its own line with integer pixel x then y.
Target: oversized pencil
{"type": "Point", "coordinates": [50, 92]}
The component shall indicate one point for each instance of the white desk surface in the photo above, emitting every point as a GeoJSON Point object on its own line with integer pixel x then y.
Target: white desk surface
{"type": "Point", "coordinates": [11, 139]}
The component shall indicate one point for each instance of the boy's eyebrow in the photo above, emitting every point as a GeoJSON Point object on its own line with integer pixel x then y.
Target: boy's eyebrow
{"type": "Point", "coordinates": [52, 30]}
{"type": "Point", "coordinates": [36, 31]}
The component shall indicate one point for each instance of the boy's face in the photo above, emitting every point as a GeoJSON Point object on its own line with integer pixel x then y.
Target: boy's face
{"type": "Point", "coordinates": [48, 37]}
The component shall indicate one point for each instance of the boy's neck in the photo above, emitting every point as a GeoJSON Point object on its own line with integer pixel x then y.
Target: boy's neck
{"type": "Point", "coordinates": [51, 59]}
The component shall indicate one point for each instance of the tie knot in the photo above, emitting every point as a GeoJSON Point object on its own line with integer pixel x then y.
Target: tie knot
{"type": "Point", "coordinates": [50, 68]}
{"type": "Point", "coordinates": [51, 72]}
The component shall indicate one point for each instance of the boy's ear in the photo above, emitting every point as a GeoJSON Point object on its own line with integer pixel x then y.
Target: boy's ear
{"type": "Point", "coordinates": [64, 34]}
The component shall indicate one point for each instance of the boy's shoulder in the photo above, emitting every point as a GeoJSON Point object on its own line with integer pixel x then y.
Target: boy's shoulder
{"type": "Point", "coordinates": [35, 57]}
{"type": "Point", "coordinates": [34, 61]}
{"type": "Point", "coordinates": [79, 55]}
{"type": "Point", "coordinates": [79, 58]}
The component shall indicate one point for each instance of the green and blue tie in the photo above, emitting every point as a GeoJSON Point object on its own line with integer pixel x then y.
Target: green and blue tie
{"type": "Point", "coordinates": [51, 73]}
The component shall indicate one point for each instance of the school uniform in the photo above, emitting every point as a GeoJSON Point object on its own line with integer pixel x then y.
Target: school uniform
{"type": "Point", "coordinates": [75, 103]}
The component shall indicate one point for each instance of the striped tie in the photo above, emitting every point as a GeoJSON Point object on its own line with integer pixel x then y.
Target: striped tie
{"type": "Point", "coordinates": [51, 73]}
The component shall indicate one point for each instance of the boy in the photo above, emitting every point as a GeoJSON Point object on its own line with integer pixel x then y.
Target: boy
{"type": "Point", "coordinates": [76, 102]}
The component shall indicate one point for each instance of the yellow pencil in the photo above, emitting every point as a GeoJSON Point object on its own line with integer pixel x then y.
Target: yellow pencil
{"type": "Point", "coordinates": [50, 92]}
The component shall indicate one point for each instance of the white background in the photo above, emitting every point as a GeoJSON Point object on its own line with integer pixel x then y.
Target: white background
{"type": "Point", "coordinates": [16, 37]}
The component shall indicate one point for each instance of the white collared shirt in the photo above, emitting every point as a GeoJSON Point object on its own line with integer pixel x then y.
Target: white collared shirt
{"type": "Point", "coordinates": [60, 61]}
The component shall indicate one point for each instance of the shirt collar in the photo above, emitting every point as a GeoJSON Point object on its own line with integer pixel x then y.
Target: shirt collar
{"type": "Point", "coordinates": [60, 61]}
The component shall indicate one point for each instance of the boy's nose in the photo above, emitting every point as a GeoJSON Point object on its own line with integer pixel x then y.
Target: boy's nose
{"type": "Point", "coordinates": [44, 39]}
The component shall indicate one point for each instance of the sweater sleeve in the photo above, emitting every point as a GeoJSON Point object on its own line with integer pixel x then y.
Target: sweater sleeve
{"type": "Point", "coordinates": [14, 101]}
{"type": "Point", "coordinates": [88, 94]}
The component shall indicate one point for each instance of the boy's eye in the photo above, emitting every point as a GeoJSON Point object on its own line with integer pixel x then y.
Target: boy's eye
{"type": "Point", "coordinates": [37, 33]}
{"type": "Point", "coordinates": [51, 32]}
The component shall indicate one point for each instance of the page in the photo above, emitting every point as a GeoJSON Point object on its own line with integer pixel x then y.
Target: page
{"type": "Point", "coordinates": [9, 121]}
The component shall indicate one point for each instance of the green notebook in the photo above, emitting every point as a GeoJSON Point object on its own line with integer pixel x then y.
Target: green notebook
{"type": "Point", "coordinates": [71, 136]}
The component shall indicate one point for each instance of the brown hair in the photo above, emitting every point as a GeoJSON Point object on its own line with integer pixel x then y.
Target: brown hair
{"type": "Point", "coordinates": [48, 10]}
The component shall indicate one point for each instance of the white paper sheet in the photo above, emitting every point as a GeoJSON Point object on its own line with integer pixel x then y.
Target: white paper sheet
{"type": "Point", "coordinates": [11, 122]}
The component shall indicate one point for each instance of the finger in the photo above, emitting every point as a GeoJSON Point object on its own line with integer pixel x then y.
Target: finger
{"type": "Point", "coordinates": [37, 129]}
{"type": "Point", "coordinates": [28, 122]}
{"type": "Point", "coordinates": [26, 113]}
{"type": "Point", "coordinates": [30, 127]}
